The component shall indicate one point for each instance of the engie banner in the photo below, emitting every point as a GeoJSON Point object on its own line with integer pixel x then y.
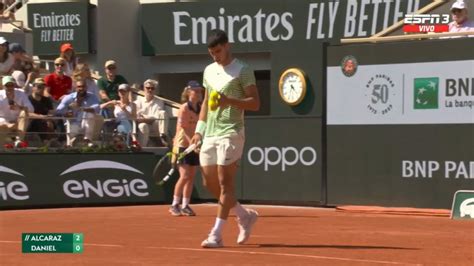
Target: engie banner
{"type": "Point", "coordinates": [42, 180]}
{"type": "Point", "coordinates": [412, 93]}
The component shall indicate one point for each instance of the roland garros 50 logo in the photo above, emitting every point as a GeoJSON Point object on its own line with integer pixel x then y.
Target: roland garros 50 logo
{"type": "Point", "coordinates": [380, 90]}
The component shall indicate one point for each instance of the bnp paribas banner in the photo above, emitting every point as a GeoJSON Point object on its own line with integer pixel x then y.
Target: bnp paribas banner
{"type": "Point", "coordinates": [182, 28]}
{"type": "Point", "coordinates": [408, 93]}
{"type": "Point", "coordinates": [56, 23]}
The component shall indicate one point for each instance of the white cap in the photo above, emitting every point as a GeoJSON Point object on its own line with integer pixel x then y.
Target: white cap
{"type": "Point", "coordinates": [19, 77]}
{"type": "Point", "coordinates": [124, 87]}
{"type": "Point", "coordinates": [2, 40]}
{"type": "Point", "coordinates": [459, 4]}
{"type": "Point", "coordinates": [110, 63]}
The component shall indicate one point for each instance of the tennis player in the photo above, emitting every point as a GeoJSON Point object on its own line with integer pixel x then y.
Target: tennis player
{"type": "Point", "coordinates": [222, 134]}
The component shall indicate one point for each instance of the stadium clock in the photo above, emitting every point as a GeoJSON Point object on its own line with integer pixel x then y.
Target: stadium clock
{"type": "Point", "coordinates": [292, 86]}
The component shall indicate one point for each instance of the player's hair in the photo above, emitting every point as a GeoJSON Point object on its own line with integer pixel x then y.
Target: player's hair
{"type": "Point", "coordinates": [216, 37]}
{"type": "Point", "coordinates": [185, 95]}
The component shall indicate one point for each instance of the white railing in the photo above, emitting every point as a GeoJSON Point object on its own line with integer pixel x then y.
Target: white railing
{"type": "Point", "coordinates": [409, 37]}
{"type": "Point", "coordinates": [13, 6]}
{"type": "Point", "coordinates": [101, 136]}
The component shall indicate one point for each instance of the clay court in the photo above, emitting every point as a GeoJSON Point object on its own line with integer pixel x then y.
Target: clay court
{"type": "Point", "coordinates": [147, 235]}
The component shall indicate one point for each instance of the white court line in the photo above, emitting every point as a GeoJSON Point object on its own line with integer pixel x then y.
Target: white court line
{"type": "Point", "coordinates": [104, 245]}
{"type": "Point", "coordinates": [273, 207]}
{"type": "Point", "coordinates": [248, 252]}
{"type": "Point", "coordinates": [85, 244]}
{"type": "Point", "coordinates": [288, 255]}
{"type": "Point", "coordinates": [10, 242]}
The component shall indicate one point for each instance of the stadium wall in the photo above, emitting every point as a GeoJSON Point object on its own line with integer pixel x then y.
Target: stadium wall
{"type": "Point", "coordinates": [401, 129]}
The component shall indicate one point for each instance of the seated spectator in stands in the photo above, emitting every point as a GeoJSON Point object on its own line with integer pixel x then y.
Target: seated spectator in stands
{"type": "Point", "coordinates": [82, 106]}
{"type": "Point", "coordinates": [6, 59]}
{"type": "Point", "coordinates": [82, 71]}
{"type": "Point", "coordinates": [24, 76]}
{"type": "Point", "coordinates": [125, 111]}
{"type": "Point", "coordinates": [14, 108]}
{"type": "Point", "coordinates": [68, 54]}
{"type": "Point", "coordinates": [152, 117]}
{"type": "Point", "coordinates": [58, 84]}
{"type": "Point", "coordinates": [108, 85]}
{"type": "Point", "coordinates": [43, 107]}
{"type": "Point", "coordinates": [4, 14]}
{"type": "Point", "coordinates": [460, 22]}
{"type": "Point", "coordinates": [19, 54]}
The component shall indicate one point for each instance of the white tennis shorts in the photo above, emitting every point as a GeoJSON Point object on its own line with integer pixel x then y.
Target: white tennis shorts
{"type": "Point", "coordinates": [223, 150]}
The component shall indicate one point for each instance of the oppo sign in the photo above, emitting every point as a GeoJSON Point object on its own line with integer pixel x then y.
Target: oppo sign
{"type": "Point", "coordinates": [281, 157]}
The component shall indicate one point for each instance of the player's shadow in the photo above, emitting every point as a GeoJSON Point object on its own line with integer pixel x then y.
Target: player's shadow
{"type": "Point", "coordinates": [287, 216]}
{"type": "Point", "coordinates": [329, 246]}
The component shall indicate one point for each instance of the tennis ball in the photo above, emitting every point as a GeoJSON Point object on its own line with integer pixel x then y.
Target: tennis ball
{"type": "Point", "coordinates": [213, 100]}
{"type": "Point", "coordinates": [213, 104]}
{"type": "Point", "coordinates": [214, 95]}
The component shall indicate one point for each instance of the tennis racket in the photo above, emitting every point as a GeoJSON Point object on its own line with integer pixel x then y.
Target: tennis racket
{"type": "Point", "coordinates": [168, 159]}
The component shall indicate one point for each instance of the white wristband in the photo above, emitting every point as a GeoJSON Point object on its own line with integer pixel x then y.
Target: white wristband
{"type": "Point", "coordinates": [200, 127]}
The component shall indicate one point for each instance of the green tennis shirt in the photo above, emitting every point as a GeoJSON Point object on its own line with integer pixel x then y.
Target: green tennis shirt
{"type": "Point", "coordinates": [230, 80]}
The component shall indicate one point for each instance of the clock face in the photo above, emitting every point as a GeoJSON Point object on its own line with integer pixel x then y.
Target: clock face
{"type": "Point", "coordinates": [292, 86]}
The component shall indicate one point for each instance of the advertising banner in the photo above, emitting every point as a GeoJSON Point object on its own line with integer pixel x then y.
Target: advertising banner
{"type": "Point", "coordinates": [281, 162]}
{"type": "Point", "coordinates": [412, 93]}
{"type": "Point", "coordinates": [56, 23]}
{"type": "Point", "coordinates": [259, 26]}
{"type": "Point", "coordinates": [33, 180]}
{"type": "Point", "coordinates": [400, 123]}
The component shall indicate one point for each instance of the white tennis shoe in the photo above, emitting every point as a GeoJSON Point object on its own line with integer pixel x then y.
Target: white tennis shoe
{"type": "Point", "coordinates": [245, 226]}
{"type": "Point", "coordinates": [212, 241]}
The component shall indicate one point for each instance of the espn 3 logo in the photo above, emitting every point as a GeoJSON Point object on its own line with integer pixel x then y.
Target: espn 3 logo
{"type": "Point", "coordinates": [423, 23]}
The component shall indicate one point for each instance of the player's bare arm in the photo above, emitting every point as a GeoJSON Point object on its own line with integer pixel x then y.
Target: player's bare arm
{"type": "Point", "coordinates": [250, 102]}
{"type": "Point", "coordinates": [203, 113]}
{"type": "Point", "coordinates": [197, 138]}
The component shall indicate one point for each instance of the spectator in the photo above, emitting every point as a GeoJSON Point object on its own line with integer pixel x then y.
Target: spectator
{"type": "Point", "coordinates": [68, 54]}
{"type": "Point", "coordinates": [14, 107]}
{"type": "Point", "coordinates": [82, 71]}
{"type": "Point", "coordinates": [108, 88]}
{"type": "Point", "coordinates": [83, 106]}
{"type": "Point", "coordinates": [19, 54]}
{"type": "Point", "coordinates": [24, 76]}
{"type": "Point", "coordinates": [19, 75]}
{"type": "Point", "coordinates": [124, 111]}
{"type": "Point", "coordinates": [187, 119]}
{"type": "Point", "coordinates": [108, 85]}
{"type": "Point", "coordinates": [58, 84]}
{"type": "Point", "coordinates": [151, 113]}
{"type": "Point", "coordinates": [6, 59]}
{"type": "Point", "coordinates": [43, 107]}
{"type": "Point", "coordinates": [460, 22]}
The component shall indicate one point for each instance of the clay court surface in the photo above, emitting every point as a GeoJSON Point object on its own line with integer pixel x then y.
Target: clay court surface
{"type": "Point", "coordinates": [147, 235]}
